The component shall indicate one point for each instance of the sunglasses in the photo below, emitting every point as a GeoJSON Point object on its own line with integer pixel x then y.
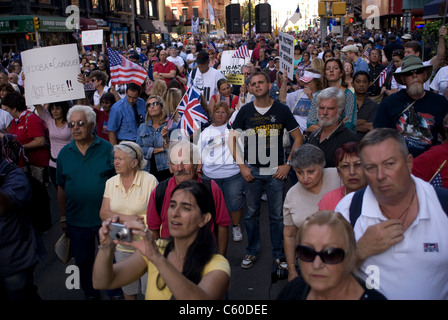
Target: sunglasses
{"type": "Point", "coordinates": [100, 60]}
{"type": "Point", "coordinates": [152, 104]}
{"type": "Point", "coordinates": [80, 124]}
{"type": "Point", "coordinates": [410, 73]}
{"type": "Point", "coordinates": [328, 256]}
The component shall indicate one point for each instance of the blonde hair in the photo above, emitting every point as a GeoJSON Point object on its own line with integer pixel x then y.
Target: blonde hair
{"type": "Point", "coordinates": [164, 110]}
{"type": "Point", "coordinates": [222, 104]}
{"type": "Point", "coordinates": [340, 225]}
{"type": "Point", "coordinates": [172, 97]}
{"type": "Point", "coordinates": [159, 88]}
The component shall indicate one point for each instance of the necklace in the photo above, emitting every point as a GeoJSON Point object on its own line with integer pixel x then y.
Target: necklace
{"type": "Point", "coordinates": [404, 213]}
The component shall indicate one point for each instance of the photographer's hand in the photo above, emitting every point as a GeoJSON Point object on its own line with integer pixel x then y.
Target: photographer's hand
{"type": "Point", "coordinates": [146, 245]}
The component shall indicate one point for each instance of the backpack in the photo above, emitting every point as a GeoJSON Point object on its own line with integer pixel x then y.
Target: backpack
{"type": "Point", "coordinates": [38, 210]}
{"type": "Point", "coordinates": [160, 196]}
{"type": "Point", "coordinates": [356, 204]}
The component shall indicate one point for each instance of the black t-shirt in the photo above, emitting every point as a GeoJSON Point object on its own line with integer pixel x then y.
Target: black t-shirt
{"type": "Point", "coordinates": [298, 289]}
{"type": "Point", "coordinates": [263, 134]}
{"type": "Point", "coordinates": [420, 125]}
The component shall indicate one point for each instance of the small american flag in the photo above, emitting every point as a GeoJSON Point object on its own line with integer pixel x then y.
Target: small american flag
{"type": "Point", "coordinates": [383, 75]}
{"type": "Point", "coordinates": [212, 46]}
{"type": "Point", "coordinates": [191, 111]}
{"type": "Point", "coordinates": [242, 52]}
{"type": "Point", "coordinates": [123, 71]}
{"type": "Point", "coordinates": [437, 181]}
{"type": "Point", "coordinates": [367, 52]}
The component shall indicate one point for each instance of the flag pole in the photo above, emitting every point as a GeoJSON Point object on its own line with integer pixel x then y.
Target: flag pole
{"type": "Point", "coordinates": [437, 172]}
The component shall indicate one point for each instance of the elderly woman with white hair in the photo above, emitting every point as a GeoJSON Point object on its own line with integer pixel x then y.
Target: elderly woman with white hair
{"type": "Point", "coordinates": [302, 199]}
{"type": "Point", "coordinates": [126, 195]}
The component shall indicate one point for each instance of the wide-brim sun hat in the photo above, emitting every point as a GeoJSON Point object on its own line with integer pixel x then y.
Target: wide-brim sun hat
{"type": "Point", "coordinates": [411, 63]}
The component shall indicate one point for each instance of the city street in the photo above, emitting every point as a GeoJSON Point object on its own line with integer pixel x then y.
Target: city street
{"type": "Point", "coordinates": [251, 284]}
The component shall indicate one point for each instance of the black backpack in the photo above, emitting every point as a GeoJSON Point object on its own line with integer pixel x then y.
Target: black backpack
{"type": "Point", "coordinates": [38, 210]}
{"type": "Point", "coordinates": [356, 204]}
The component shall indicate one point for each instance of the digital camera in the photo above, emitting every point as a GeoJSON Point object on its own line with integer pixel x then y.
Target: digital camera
{"type": "Point", "coordinates": [119, 232]}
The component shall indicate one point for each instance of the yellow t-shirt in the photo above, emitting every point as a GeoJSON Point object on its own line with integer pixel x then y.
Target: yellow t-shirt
{"type": "Point", "coordinates": [135, 200]}
{"type": "Point", "coordinates": [218, 262]}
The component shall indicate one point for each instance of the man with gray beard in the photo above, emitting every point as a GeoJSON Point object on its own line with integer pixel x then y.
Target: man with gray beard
{"type": "Point", "coordinates": [415, 112]}
{"type": "Point", "coordinates": [332, 133]}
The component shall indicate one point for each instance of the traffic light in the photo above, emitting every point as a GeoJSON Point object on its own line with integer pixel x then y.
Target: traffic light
{"type": "Point", "coordinates": [30, 37]}
{"type": "Point", "coordinates": [351, 20]}
{"type": "Point", "coordinates": [36, 22]}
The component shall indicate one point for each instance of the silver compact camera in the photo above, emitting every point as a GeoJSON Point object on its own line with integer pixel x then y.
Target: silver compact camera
{"type": "Point", "coordinates": [119, 232]}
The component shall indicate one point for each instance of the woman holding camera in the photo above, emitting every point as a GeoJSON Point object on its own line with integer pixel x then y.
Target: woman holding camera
{"type": "Point", "coordinates": [327, 255]}
{"type": "Point", "coordinates": [187, 268]}
{"type": "Point", "coordinates": [126, 197]}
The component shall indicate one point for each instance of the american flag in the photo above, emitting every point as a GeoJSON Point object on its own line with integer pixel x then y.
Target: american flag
{"type": "Point", "coordinates": [211, 46]}
{"type": "Point", "coordinates": [437, 181]}
{"type": "Point", "coordinates": [242, 52]}
{"type": "Point", "coordinates": [191, 112]}
{"type": "Point", "coordinates": [383, 75]}
{"type": "Point", "coordinates": [367, 52]}
{"type": "Point", "coordinates": [123, 71]}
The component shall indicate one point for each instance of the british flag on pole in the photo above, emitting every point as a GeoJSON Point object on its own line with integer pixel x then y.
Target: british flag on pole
{"type": "Point", "coordinates": [191, 111]}
{"type": "Point", "coordinates": [123, 71]}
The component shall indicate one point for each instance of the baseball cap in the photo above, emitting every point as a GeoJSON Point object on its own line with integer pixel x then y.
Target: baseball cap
{"type": "Point", "coordinates": [350, 48]}
{"type": "Point", "coordinates": [350, 39]}
{"type": "Point", "coordinates": [407, 36]}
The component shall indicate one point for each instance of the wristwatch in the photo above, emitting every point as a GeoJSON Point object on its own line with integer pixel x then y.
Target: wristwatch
{"type": "Point", "coordinates": [289, 163]}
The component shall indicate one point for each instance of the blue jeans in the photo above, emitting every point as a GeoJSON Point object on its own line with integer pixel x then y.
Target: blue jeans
{"type": "Point", "coordinates": [233, 191]}
{"type": "Point", "coordinates": [83, 242]}
{"type": "Point", "coordinates": [19, 286]}
{"type": "Point", "coordinates": [275, 192]}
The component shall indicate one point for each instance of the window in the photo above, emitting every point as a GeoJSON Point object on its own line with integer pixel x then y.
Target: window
{"type": "Point", "coordinates": [150, 9]}
{"type": "Point", "coordinates": [185, 12]}
{"type": "Point", "coordinates": [138, 10]}
{"type": "Point", "coordinates": [95, 4]}
{"type": "Point", "coordinates": [196, 12]}
{"type": "Point", "coordinates": [175, 14]}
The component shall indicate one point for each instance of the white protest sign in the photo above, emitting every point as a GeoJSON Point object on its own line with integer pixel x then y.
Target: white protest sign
{"type": "Point", "coordinates": [286, 52]}
{"type": "Point", "coordinates": [51, 74]}
{"type": "Point", "coordinates": [232, 65]}
{"type": "Point", "coordinates": [91, 37]}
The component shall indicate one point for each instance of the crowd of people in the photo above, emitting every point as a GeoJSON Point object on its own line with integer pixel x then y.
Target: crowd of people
{"type": "Point", "coordinates": [344, 131]}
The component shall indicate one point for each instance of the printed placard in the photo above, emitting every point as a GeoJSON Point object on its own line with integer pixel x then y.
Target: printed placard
{"type": "Point", "coordinates": [286, 52]}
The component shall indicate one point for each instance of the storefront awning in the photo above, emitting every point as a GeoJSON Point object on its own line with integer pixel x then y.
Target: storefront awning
{"type": "Point", "coordinates": [432, 9]}
{"type": "Point", "coordinates": [146, 26]}
{"type": "Point", "coordinates": [159, 26]}
{"type": "Point", "coordinates": [87, 24]}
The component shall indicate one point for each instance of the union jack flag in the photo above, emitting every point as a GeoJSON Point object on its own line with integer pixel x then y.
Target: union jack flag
{"type": "Point", "coordinates": [191, 112]}
{"type": "Point", "coordinates": [123, 71]}
{"type": "Point", "coordinates": [242, 52]}
{"type": "Point", "coordinates": [383, 75]}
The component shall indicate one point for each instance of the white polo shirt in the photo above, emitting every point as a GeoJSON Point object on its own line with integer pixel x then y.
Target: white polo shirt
{"type": "Point", "coordinates": [417, 267]}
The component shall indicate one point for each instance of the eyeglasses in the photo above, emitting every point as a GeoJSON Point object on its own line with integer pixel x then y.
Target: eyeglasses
{"type": "Point", "coordinates": [328, 256]}
{"type": "Point", "coordinates": [93, 80]}
{"type": "Point", "coordinates": [346, 166]}
{"type": "Point", "coordinates": [314, 54]}
{"type": "Point", "coordinates": [80, 124]}
{"type": "Point", "coordinates": [410, 73]}
{"type": "Point", "coordinates": [152, 104]}
{"type": "Point", "coordinates": [100, 60]}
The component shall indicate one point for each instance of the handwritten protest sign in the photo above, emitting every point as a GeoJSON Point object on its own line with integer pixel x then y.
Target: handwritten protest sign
{"type": "Point", "coordinates": [232, 65]}
{"type": "Point", "coordinates": [51, 74]}
{"type": "Point", "coordinates": [286, 52]}
{"type": "Point", "coordinates": [91, 37]}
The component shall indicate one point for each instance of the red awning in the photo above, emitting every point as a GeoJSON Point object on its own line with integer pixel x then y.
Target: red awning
{"type": "Point", "coordinates": [87, 24]}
